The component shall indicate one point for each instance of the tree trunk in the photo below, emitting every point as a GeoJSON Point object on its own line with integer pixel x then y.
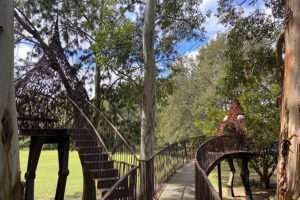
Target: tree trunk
{"type": "Point", "coordinates": [10, 182]}
{"type": "Point", "coordinates": [288, 176]}
{"type": "Point", "coordinates": [149, 94]}
{"type": "Point", "coordinates": [89, 187]}
{"type": "Point", "coordinates": [265, 182]}
{"type": "Point", "coordinates": [97, 99]}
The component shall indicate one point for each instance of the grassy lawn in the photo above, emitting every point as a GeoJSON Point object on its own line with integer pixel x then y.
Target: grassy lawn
{"type": "Point", "coordinates": [47, 174]}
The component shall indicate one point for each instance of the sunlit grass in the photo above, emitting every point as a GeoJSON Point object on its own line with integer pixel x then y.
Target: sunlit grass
{"type": "Point", "coordinates": [47, 174]}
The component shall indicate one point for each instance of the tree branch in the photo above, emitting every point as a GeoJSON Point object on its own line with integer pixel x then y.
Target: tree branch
{"type": "Point", "coordinates": [29, 29]}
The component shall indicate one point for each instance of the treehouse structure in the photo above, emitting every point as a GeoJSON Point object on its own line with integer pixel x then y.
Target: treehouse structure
{"type": "Point", "coordinates": [230, 143]}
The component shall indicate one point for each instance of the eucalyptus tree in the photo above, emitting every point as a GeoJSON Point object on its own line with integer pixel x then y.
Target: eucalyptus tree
{"type": "Point", "coordinates": [288, 178]}
{"type": "Point", "coordinates": [285, 15]}
{"type": "Point", "coordinates": [175, 21]}
{"type": "Point", "coordinates": [10, 184]}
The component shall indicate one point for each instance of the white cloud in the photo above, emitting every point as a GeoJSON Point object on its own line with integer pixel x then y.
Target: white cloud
{"type": "Point", "coordinates": [209, 5]}
{"type": "Point", "coordinates": [22, 51]}
{"type": "Point", "coordinates": [213, 26]}
{"type": "Point", "coordinates": [192, 54]}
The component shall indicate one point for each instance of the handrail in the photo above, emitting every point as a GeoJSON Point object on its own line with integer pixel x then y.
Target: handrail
{"type": "Point", "coordinates": [207, 189]}
{"type": "Point", "coordinates": [119, 182]}
{"type": "Point", "coordinates": [114, 128]}
{"type": "Point", "coordinates": [209, 154]}
{"type": "Point", "coordinates": [126, 163]}
{"type": "Point", "coordinates": [222, 144]}
{"type": "Point", "coordinates": [92, 126]}
{"type": "Point", "coordinates": [168, 146]}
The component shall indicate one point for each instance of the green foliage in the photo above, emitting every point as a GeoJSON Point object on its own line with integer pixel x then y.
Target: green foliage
{"type": "Point", "coordinates": [24, 142]}
{"type": "Point", "coordinates": [252, 77]}
{"type": "Point", "coordinates": [211, 124]}
{"type": "Point", "coordinates": [178, 20]}
{"type": "Point", "coordinates": [118, 43]}
{"type": "Point", "coordinates": [122, 108]}
{"type": "Point", "coordinates": [251, 19]}
{"type": "Point", "coordinates": [193, 84]}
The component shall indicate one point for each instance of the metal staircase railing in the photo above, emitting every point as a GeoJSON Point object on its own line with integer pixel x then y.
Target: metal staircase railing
{"type": "Point", "coordinates": [110, 170]}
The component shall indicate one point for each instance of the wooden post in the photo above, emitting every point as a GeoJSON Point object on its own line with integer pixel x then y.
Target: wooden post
{"type": "Point", "coordinates": [63, 156]}
{"type": "Point", "coordinates": [230, 192]}
{"type": "Point", "coordinates": [36, 144]}
{"type": "Point", "coordinates": [245, 178]}
{"type": "Point", "coordinates": [220, 180]}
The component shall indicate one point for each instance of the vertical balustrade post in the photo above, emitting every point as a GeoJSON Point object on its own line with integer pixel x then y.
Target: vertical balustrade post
{"type": "Point", "coordinates": [63, 156]}
{"type": "Point", "coordinates": [230, 192]}
{"type": "Point", "coordinates": [36, 144]}
{"type": "Point", "coordinates": [220, 180]}
{"type": "Point", "coordinates": [245, 178]}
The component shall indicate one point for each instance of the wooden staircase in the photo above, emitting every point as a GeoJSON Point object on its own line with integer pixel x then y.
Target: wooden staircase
{"type": "Point", "coordinates": [98, 163]}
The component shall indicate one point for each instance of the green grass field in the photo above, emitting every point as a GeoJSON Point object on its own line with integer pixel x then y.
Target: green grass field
{"type": "Point", "coordinates": [47, 174]}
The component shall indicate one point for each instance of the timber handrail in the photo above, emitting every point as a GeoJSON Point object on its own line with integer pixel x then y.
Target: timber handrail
{"type": "Point", "coordinates": [207, 190]}
{"type": "Point", "coordinates": [126, 163]}
{"type": "Point", "coordinates": [218, 146]}
{"type": "Point", "coordinates": [176, 143]}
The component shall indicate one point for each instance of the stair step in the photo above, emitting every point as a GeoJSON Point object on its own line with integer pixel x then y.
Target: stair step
{"type": "Point", "coordinates": [85, 150]}
{"type": "Point", "coordinates": [78, 137]}
{"type": "Point", "coordinates": [99, 164]}
{"type": "Point", "coordinates": [104, 173]}
{"type": "Point", "coordinates": [107, 182]}
{"type": "Point", "coordinates": [86, 143]}
{"type": "Point", "coordinates": [119, 193]}
{"type": "Point", "coordinates": [94, 156]}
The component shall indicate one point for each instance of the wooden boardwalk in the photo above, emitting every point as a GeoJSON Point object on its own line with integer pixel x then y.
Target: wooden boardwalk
{"type": "Point", "coordinates": [182, 185]}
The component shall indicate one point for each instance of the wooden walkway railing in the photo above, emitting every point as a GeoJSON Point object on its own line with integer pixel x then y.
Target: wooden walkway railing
{"type": "Point", "coordinates": [203, 187]}
{"type": "Point", "coordinates": [210, 154]}
{"type": "Point", "coordinates": [165, 162]}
